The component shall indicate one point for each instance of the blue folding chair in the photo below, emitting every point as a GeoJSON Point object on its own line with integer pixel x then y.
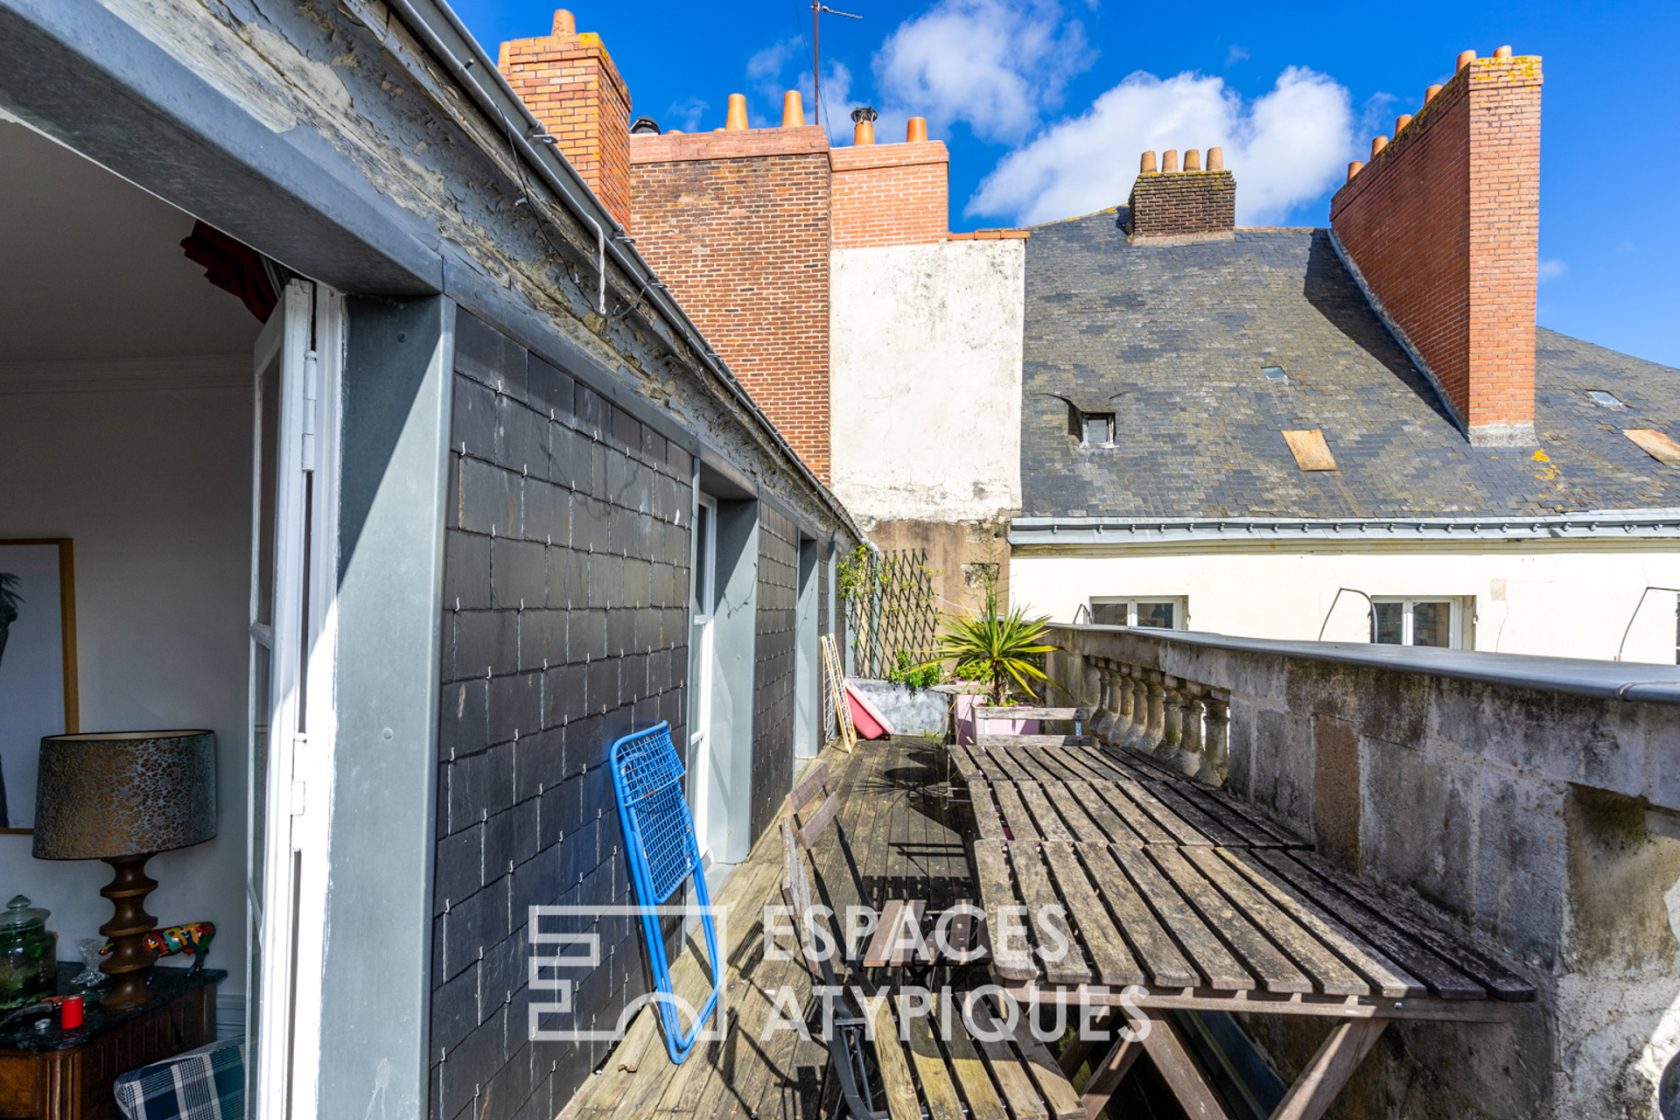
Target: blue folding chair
{"type": "Point", "coordinates": [663, 854]}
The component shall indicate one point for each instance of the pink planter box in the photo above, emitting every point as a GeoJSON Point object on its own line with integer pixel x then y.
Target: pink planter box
{"type": "Point", "coordinates": [967, 731]}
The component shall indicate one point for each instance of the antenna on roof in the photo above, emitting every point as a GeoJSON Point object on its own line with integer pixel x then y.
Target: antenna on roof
{"type": "Point", "coordinates": [818, 9]}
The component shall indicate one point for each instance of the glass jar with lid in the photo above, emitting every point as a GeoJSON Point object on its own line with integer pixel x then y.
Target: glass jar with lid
{"type": "Point", "coordinates": [28, 955]}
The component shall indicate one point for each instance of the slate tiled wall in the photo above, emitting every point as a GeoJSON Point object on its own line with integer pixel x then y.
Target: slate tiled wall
{"type": "Point", "coordinates": [773, 663]}
{"type": "Point", "coordinates": [563, 626]}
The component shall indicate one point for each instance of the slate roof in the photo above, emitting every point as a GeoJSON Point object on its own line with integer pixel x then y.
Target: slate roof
{"type": "Point", "coordinates": [1173, 337]}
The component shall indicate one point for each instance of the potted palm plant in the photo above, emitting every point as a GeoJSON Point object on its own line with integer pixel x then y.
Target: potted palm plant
{"type": "Point", "coordinates": [1003, 651]}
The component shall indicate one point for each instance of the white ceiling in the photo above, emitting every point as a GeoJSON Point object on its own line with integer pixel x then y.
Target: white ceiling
{"type": "Point", "coordinates": [91, 266]}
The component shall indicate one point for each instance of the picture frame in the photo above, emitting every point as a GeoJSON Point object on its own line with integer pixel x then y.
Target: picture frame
{"type": "Point", "coordinates": [38, 680]}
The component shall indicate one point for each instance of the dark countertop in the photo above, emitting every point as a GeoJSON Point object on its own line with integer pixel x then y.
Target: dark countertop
{"type": "Point", "coordinates": [21, 1035]}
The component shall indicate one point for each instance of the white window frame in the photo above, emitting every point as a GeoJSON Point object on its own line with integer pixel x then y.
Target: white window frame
{"type": "Point", "coordinates": [1460, 616]}
{"type": "Point", "coordinates": [1110, 418]}
{"type": "Point", "coordinates": [1181, 613]}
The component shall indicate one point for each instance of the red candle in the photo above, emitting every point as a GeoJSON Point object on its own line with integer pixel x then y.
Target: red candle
{"type": "Point", "coordinates": [70, 1013]}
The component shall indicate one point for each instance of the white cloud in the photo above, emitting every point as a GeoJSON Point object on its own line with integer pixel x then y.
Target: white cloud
{"type": "Point", "coordinates": [996, 67]}
{"type": "Point", "coordinates": [1235, 54]}
{"type": "Point", "coordinates": [1286, 147]}
{"type": "Point", "coordinates": [769, 62]}
{"type": "Point", "coordinates": [1551, 268]}
{"type": "Point", "coordinates": [687, 114]}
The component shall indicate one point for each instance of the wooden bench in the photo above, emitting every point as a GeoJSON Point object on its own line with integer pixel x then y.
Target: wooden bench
{"type": "Point", "coordinates": [904, 933]}
{"type": "Point", "coordinates": [888, 1059]}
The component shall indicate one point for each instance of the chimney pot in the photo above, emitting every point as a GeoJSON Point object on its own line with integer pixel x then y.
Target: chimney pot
{"type": "Point", "coordinates": [1429, 94]}
{"type": "Point", "coordinates": [793, 109]}
{"type": "Point", "coordinates": [1146, 166]}
{"type": "Point", "coordinates": [1465, 58]}
{"type": "Point", "coordinates": [564, 23]}
{"type": "Point", "coordinates": [1216, 159]}
{"type": "Point", "coordinates": [916, 131]}
{"type": "Point", "coordinates": [1169, 160]}
{"type": "Point", "coordinates": [1401, 122]}
{"type": "Point", "coordinates": [1378, 143]}
{"type": "Point", "coordinates": [1354, 168]}
{"type": "Point", "coordinates": [1192, 159]}
{"type": "Point", "coordinates": [1502, 52]}
{"type": "Point", "coordinates": [863, 125]}
{"type": "Point", "coordinates": [737, 119]}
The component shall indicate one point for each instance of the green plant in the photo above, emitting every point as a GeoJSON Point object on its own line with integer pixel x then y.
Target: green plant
{"type": "Point", "coordinates": [906, 671]}
{"type": "Point", "coordinates": [1003, 649]}
{"type": "Point", "coordinates": [9, 600]}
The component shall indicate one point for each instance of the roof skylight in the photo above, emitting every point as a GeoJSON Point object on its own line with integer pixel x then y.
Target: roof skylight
{"type": "Point", "coordinates": [1605, 399]}
{"type": "Point", "coordinates": [1274, 373]}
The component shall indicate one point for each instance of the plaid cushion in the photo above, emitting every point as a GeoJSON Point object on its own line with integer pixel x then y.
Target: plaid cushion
{"type": "Point", "coordinates": [203, 1084]}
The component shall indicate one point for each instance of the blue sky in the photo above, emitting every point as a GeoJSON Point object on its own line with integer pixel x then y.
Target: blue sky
{"type": "Point", "coordinates": [1046, 107]}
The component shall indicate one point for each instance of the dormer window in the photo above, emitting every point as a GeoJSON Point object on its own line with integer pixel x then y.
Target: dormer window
{"type": "Point", "coordinates": [1096, 429]}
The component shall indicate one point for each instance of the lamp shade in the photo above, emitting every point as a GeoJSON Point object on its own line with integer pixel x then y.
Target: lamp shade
{"type": "Point", "coordinates": [124, 793]}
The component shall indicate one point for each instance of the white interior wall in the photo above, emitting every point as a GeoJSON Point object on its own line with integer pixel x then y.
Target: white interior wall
{"type": "Point", "coordinates": [153, 486]}
{"type": "Point", "coordinates": [1528, 599]}
{"type": "Point", "coordinates": [925, 381]}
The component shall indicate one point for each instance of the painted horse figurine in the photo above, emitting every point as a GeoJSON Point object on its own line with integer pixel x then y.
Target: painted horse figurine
{"type": "Point", "coordinates": [193, 939]}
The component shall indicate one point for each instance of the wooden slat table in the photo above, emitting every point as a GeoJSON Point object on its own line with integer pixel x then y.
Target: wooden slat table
{"type": "Point", "coordinates": [1016, 758]}
{"type": "Point", "coordinates": [1171, 926]}
{"type": "Point", "coordinates": [1124, 811]}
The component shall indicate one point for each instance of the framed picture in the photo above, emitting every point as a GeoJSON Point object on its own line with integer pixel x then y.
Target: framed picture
{"type": "Point", "coordinates": [37, 665]}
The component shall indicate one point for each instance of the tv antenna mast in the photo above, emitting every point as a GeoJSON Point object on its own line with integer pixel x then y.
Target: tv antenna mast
{"type": "Point", "coordinates": [818, 10]}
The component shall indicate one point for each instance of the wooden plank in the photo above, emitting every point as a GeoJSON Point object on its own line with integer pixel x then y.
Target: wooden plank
{"type": "Point", "coordinates": [1010, 958]}
{"type": "Point", "coordinates": [988, 711]}
{"type": "Point", "coordinates": [1152, 943]}
{"type": "Point", "coordinates": [1058, 1091]}
{"type": "Point", "coordinates": [1017, 818]}
{"type": "Point", "coordinates": [1436, 974]}
{"type": "Point", "coordinates": [1499, 980]}
{"type": "Point", "coordinates": [1009, 742]}
{"type": "Point", "coordinates": [1109, 826]}
{"type": "Point", "coordinates": [966, 1066]}
{"type": "Point", "coordinates": [1328, 972]}
{"type": "Point", "coordinates": [897, 1085]}
{"type": "Point", "coordinates": [1263, 960]}
{"type": "Point", "coordinates": [813, 828]}
{"type": "Point", "coordinates": [1387, 976]}
{"type": "Point", "coordinates": [1014, 1081]}
{"type": "Point", "coordinates": [985, 810]}
{"type": "Point", "coordinates": [1207, 818]}
{"type": "Point", "coordinates": [807, 788]}
{"type": "Point", "coordinates": [1119, 797]}
{"type": "Point", "coordinates": [1209, 954]}
{"type": "Point", "coordinates": [1107, 1075]}
{"type": "Point", "coordinates": [1316, 1089]}
{"type": "Point", "coordinates": [1165, 1045]}
{"type": "Point", "coordinates": [967, 768]}
{"type": "Point", "coordinates": [938, 1088]}
{"type": "Point", "coordinates": [1658, 445]}
{"type": "Point", "coordinates": [1047, 917]}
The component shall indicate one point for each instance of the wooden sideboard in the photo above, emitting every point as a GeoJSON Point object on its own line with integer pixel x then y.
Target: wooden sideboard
{"type": "Point", "coordinates": [67, 1075]}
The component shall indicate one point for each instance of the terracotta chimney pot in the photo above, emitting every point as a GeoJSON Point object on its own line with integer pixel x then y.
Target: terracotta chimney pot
{"type": "Point", "coordinates": [1401, 122]}
{"type": "Point", "coordinates": [1192, 159]}
{"type": "Point", "coordinates": [863, 126]}
{"type": "Point", "coordinates": [1465, 58]}
{"type": "Point", "coordinates": [1429, 94]}
{"type": "Point", "coordinates": [793, 109]}
{"type": "Point", "coordinates": [915, 132]}
{"type": "Point", "coordinates": [737, 119]}
{"type": "Point", "coordinates": [1354, 168]}
{"type": "Point", "coordinates": [564, 23]}
{"type": "Point", "coordinates": [1378, 143]}
{"type": "Point", "coordinates": [1216, 159]}
{"type": "Point", "coordinates": [1169, 160]}
{"type": "Point", "coordinates": [1146, 166]}
{"type": "Point", "coordinates": [1502, 52]}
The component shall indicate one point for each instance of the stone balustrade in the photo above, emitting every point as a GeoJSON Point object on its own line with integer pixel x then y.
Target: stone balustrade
{"type": "Point", "coordinates": [1532, 803]}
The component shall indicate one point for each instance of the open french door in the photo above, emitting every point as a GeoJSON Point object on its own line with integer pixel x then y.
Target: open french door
{"type": "Point", "coordinates": [702, 654]}
{"type": "Point", "coordinates": [294, 573]}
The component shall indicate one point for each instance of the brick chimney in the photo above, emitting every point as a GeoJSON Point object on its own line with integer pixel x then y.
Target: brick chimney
{"type": "Point", "coordinates": [569, 82]}
{"type": "Point", "coordinates": [1192, 204]}
{"type": "Point", "coordinates": [890, 194]}
{"type": "Point", "coordinates": [1441, 227]}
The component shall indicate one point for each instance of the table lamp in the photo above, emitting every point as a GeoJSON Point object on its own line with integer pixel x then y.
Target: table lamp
{"type": "Point", "coordinates": [124, 796]}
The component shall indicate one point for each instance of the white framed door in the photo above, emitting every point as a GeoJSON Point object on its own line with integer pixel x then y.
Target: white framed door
{"type": "Point", "coordinates": [702, 648]}
{"type": "Point", "coordinates": [294, 570]}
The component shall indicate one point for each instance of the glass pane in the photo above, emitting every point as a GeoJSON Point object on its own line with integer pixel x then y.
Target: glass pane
{"type": "Point", "coordinates": [1387, 622]}
{"type": "Point", "coordinates": [269, 388]}
{"type": "Point", "coordinates": [1162, 616]}
{"type": "Point", "coordinates": [1108, 614]}
{"type": "Point", "coordinates": [702, 580]}
{"type": "Point", "coordinates": [1432, 624]}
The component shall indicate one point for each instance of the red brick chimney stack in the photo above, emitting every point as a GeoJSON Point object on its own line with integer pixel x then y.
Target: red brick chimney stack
{"type": "Point", "coordinates": [569, 82]}
{"type": "Point", "coordinates": [1193, 204]}
{"type": "Point", "coordinates": [1442, 228]}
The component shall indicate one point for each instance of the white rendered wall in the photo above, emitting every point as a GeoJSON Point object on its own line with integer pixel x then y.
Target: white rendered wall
{"type": "Point", "coordinates": [154, 488]}
{"type": "Point", "coordinates": [1528, 599]}
{"type": "Point", "coordinates": [925, 383]}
